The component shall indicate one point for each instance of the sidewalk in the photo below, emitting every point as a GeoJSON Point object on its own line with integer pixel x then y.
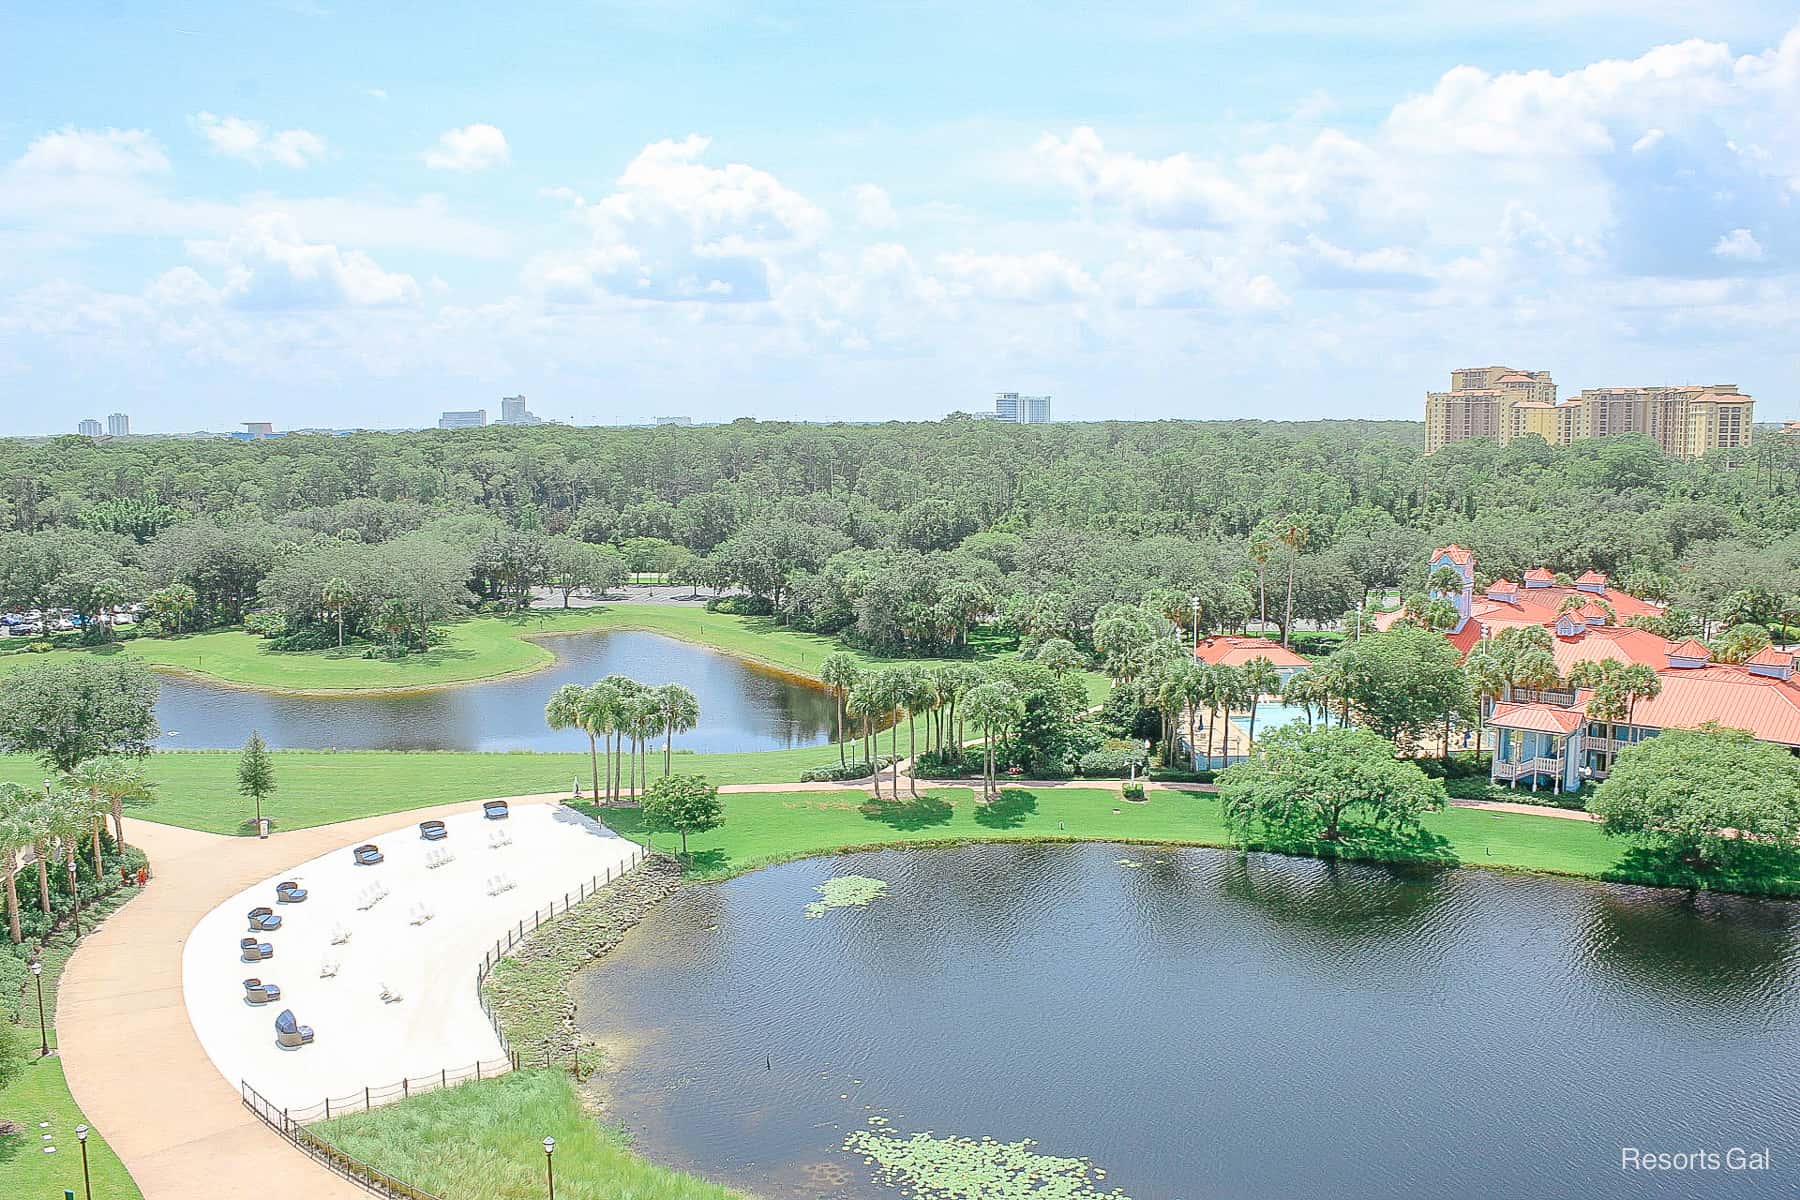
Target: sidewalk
{"type": "Point", "coordinates": [131, 1056]}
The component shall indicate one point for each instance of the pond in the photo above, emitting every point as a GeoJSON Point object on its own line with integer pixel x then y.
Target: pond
{"type": "Point", "coordinates": [742, 707]}
{"type": "Point", "coordinates": [1197, 1023]}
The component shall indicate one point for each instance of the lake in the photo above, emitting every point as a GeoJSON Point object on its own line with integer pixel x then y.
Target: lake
{"type": "Point", "coordinates": [1199, 1023]}
{"type": "Point", "coordinates": [742, 707]}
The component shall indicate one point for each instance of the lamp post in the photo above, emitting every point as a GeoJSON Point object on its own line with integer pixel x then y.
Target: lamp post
{"type": "Point", "coordinates": [87, 1186]}
{"type": "Point", "coordinates": [75, 892]}
{"type": "Point", "coordinates": [1196, 624]}
{"type": "Point", "coordinates": [550, 1171]}
{"type": "Point", "coordinates": [37, 973]}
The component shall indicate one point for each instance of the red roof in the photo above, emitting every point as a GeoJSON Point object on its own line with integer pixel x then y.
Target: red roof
{"type": "Point", "coordinates": [1623, 643]}
{"type": "Point", "coordinates": [1692, 648]}
{"type": "Point", "coordinates": [1769, 656]}
{"type": "Point", "coordinates": [1734, 697]}
{"type": "Point", "coordinates": [1537, 573]}
{"type": "Point", "coordinates": [1591, 577]}
{"type": "Point", "coordinates": [1503, 585]}
{"type": "Point", "coordinates": [1592, 610]}
{"type": "Point", "coordinates": [1539, 718]}
{"type": "Point", "coordinates": [1458, 555]}
{"type": "Point", "coordinates": [1236, 651]}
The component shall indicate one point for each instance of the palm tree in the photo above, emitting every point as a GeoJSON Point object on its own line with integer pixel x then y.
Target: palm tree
{"type": "Point", "coordinates": [680, 712]}
{"type": "Point", "coordinates": [840, 673]}
{"type": "Point", "coordinates": [1489, 675]}
{"type": "Point", "coordinates": [42, 820]}
{"type": "Point", "coordinates": [71, 820]}
{"type": "Point", "coordinates": [1262, 549]}
{"type": "Point", "coordinates": [15, 835]}
{"type": "Point", "coordinates": [1184, 689]}
{"type": "Point", "coordinates": [598, 716]}
{"type": "Point", "coordinates": [110, 782]}
{"type": "Point", "coordinates": [1294, 535]}
{"type": "Point", "coordinates": [994, 706]}
{"type": "Point", "coordinates": [1259, 678]}
{"type": "Point", "coordinates": [916, 695]}
{"type": "Point", "coordinates": [563, 711]}
{"type": "Point", "coordinates": [643, 721]}
{"type": "Point", "coordinates": [862, 704]}
{"type": "Point", "coordinates": [89, 782]}
{"type": "Point", "coordinates": [624, 687]}
{"type": "Point", "coordinates": [1615, 688]}
{"type": "Point", "coordinates": [337, 595]}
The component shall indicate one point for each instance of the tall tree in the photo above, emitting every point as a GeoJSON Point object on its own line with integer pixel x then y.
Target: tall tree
{"type": "Point", "coordinates": [1259, 678]}
{"type": "Point", "coordinates": [1307, 780]}
{"type": "Point", "coordinates": [683, 804]}
{"type": "Point", "coordinates": [994, 707]}
{"type": "Point", "coordinates": [680, 712]}
{"type": "Point", "coordinates": [1615, 687]}
{"type": "Point", "coordinates": [337, 595]}
{"type": "Point", "coordinates": [256, 773]}
{"type": "Point", "coordinates": [840, 672]}
{"type": "Point", "coordinates": [15, 836]}
{"type": "Point", "coordinates": [1295, 533]}
{"type": "Point", "coordinates": [85, 707]}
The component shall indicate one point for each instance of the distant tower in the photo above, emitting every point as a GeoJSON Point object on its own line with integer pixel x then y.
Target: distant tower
{"type": "Point", "coordinates": [89, 428]}
{"type": "Point", "coordinates": [118, 425]}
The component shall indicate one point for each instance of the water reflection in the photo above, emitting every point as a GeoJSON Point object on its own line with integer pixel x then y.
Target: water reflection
{"type": "Point", "coordinates": [741, 707]}
{"type": "Point", "coordinates": [1204, 1023]}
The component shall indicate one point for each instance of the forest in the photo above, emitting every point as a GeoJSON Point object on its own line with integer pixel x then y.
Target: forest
{"type": "Point", "coordinates": [902, 537]}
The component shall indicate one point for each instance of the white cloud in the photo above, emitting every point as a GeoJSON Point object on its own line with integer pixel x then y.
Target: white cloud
{"type": "Point", "coordinates": [471, 148]}
{"type": "Point", "coordinates": [253, 141]}
{"type": "Point", "coordinates": [1041, 278]}
{"type": "Point", "coordinates": [678, 229]}
{"type": "Point", "coordinates": [72, 151]}
{"type": "Point", "coordinates": [873, 208]}
{"type": "Point", "coordinates": [1740, 245]}
{"type": "Point", "coordinates": [267, 265]}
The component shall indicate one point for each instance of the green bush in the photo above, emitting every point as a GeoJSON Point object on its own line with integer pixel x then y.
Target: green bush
{"type": "Point", "coordinates": [1114, 760]}
{"type": "Point", "coordinates": [740, 606]}
{"type": "Point", "coordinates": [833, 773]}
{"type": "Point", "coordinates": [1133, 790]}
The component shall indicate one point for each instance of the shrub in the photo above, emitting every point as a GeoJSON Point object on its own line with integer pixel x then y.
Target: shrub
{"type": "Point", "coordinates": [1114, 760]}
{"type": "Point", "coordinates": [953, 763]}
{"type": "Point", "coordinates": [1133, 790]}
{"type": "Point", "coordinates": [833, 773]}
{"type": "Point", "coordinates": [265, 623]}
{"type": "Point", "coordinates": [741, 606]}
{"type": "Point", "coordinates": [307, 637]}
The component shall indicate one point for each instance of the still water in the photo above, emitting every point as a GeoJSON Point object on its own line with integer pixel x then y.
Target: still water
{"type": "Point", "coordinates": [1200, 1023]}
{"type": "Point", "coordinates": [741, 706]}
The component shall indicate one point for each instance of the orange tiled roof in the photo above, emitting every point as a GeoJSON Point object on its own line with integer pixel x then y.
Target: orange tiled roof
{"type": "Point", "coordinates": [1539, 718]}
{"type": "Point", "coordinates": [1537, 573]}
{"type": "Point", "coordinates": [1769, 656]}
{"type": "Point", "coordinates": [1458, 555]}
{"type": "Point", "coordinates": [1692, 648]}
{"type": "Point", "coordinates": [1503, 585]}
{"type": "Point", "coordinates": [1621, 643]}
{"type": "Point", "coordinates": [1591, 577]}
{"type": "Point", "coordinates": [1730, 695]}
{"type": "Point", "coordinates": [1236, 651]}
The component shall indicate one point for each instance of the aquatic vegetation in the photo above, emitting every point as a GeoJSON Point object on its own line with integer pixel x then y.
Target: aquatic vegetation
{"type": "Point", "coordinates": [846, 891]}
{"type": "Point", "coordinates": [955, 1168]}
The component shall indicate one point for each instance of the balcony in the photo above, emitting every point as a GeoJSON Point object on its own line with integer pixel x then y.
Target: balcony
{"type": "Point", "coordinates": [1551, 765]}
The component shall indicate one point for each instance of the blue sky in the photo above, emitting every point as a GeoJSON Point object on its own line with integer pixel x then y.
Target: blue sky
{"type": "Point", "coordinates": [319, 215]}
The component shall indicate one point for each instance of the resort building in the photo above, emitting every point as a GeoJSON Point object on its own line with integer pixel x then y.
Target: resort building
{"type": "Point", "coordinates": [90, 428]}
{"type": "Point", "coordinates": [1502, 404]}
{"type": "Point", "coordinates": [1237, 651]}
{"type": "Point", "coordinates": [1546, 738]}
{"type": "Point", "coordinates": [1018, 409]}
{"type": "Point", "coordinates": [473, 418]}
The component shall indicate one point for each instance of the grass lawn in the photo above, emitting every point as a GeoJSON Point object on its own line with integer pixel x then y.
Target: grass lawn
{"type": "Point", "coordinates": [473, 649]}
{"type": "Point", "coordinates": [761, 829]}
{"type": "Point", "coordinates": [197, 789]}
{"type": "Point", "coordinates": [497, 1130]}
{"type": "Point", "coordinates": [26, 1172]}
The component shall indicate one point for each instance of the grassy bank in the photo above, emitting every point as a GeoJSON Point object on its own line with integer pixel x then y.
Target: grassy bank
{"type": "Point", "coordinates": [473, 649]}
{"type": "Point", "coordinates": [41, 1094]}
{"type": "Point", "coordinates": [484, 1141]}
{"type": "Point", "coordinates": [766, 828]}
{"type": "Point", "coordinates": [197, 789]}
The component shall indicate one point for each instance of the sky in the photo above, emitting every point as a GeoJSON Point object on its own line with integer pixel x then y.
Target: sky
{"type": "Point", "coordinates": [332, 215]}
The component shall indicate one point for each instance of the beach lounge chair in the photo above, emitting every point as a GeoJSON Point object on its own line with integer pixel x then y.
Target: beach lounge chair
{"type": "Point", "coordinates": [258, 992]}
{"type": "Point", "coordinates": [290, 1034]}
{"type": "Point", "coordinates": [433, 831]}
{"type": "Point", "coordinates": [340, 934]}
{"type": "Point", "coordinates": [263, 920]}
{"type": "Point", "coordinates": [255, 951]}
{"type": "Point", "coordinates": [389, 995]}
{"type": "Point", "coordinates": [367, 855]}
{"type": "Point", "coordinates": [495, 810]}
{"type": "Point", "coordinates": [421, 913]}
{"type": "Point", "coordinates": [328, 967]}
{"type": "Point", "coordinates": [289, 892]}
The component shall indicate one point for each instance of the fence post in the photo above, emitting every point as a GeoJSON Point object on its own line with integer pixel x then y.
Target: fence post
{"type": "Point", "coordinates": [444, 1077]}
{"type": "Point", "coordinates": [328, 1108]}
{"type": "Point", "coordinates": [478, 1070]}
{"type": "Point", "coordinates": [405, 1087]}
{"type": "Point", "coordinates": [365, 1099]}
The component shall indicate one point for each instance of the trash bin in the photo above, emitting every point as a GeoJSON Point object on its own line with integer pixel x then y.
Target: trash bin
{"type": "Point", "coordinates": [262, 827]}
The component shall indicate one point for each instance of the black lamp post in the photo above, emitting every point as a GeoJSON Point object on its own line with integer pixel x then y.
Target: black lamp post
{"type": "Point", "coordinates": [550, 1171]}
{"type": "Point", "coordinates": [87, 1186]}
{"type": "Point", "coordinates": [75, 892]}
{"type": "Point", "coordinates": [37, 973]}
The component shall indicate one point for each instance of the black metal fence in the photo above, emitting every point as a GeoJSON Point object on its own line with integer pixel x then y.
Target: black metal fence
{"type": "Point", "coordinates": [328, 1155]}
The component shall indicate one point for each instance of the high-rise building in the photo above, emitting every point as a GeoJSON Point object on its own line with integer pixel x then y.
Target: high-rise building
{"type": "Point", "coordinates": [1503, 404]}
{"type": "Point", "coordinates": [469, 419]}
{"type": "Point", "coordinates": [259, 429]}
{"type": "Point", "coordinates": [513, 412]}
{"type": "Point", "coordinates": [674, 420]}
{"type": "Point", "coordinates": [1020, 409]}
{"type": "Point", "coordinates": [89, 428]}
{"type": "Point", "coordinates": [118, 425]}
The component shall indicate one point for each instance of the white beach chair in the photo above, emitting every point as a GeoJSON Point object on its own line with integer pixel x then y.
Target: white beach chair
{"type": "Point", "coordinates": [328, 967]}
{"type": "Point", "coordinates": [389, 995]}
{"type": "Point", "coordinates": [421, 914]}
{"type": "Point", "coordinates": [340, 934]}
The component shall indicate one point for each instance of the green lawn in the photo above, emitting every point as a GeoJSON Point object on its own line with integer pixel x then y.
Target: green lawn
{"type": "Point", "coordinates": [766, 828]}
{"type": "Point", "coordinates": [473, 649]}
{"type": "Point", "coordinates": [197, 789]}
{"type": "Point", "coordinates": [26, 1172]}
{"type": "Point", "coordinates": [484, 1141]}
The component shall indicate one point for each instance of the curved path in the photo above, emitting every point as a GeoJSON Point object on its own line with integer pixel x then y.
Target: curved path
{"type": "Point", "coordinates": [133, 1061]}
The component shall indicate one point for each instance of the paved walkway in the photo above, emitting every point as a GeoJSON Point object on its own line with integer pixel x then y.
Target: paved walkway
{"type": "Point", "coordinates": [132, 1059]}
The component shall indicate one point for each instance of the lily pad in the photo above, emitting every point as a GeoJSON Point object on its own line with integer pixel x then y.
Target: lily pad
{"type": "Point", "coordinates": [846, 891]}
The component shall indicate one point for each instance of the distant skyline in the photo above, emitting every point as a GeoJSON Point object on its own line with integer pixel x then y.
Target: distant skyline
{"type": "Point", "coordinates": [315, 215]}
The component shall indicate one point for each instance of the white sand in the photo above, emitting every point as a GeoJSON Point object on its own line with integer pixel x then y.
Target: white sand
{"type": "Point", "coordinates": [360, 1040]}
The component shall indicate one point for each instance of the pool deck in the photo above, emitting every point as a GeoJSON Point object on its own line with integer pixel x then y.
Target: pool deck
{"type": "Point", "coordinates": [129, 1048]}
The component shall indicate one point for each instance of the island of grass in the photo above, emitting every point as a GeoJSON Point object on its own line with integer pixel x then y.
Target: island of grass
{"type": "Point", "coordinates": [475, 649]}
